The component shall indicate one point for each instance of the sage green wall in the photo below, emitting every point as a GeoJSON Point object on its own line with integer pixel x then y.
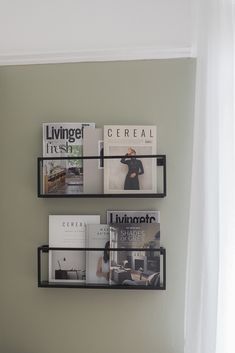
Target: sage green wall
{"type": "Point", "coordinates": [35, 320]}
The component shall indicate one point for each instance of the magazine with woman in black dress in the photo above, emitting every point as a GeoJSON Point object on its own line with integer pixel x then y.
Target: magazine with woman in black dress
{"type": "Point", "coordinates": [135, 168]}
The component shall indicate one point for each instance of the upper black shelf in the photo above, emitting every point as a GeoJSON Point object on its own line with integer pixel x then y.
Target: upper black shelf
{"type": "Point", "coordinates": [51, 186]}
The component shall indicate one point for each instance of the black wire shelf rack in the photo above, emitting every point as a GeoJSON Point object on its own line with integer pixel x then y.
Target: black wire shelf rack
{"type": "Point", "coordinates": [53, 184]}
{"type": "Point", "coordinates": [43, 281]}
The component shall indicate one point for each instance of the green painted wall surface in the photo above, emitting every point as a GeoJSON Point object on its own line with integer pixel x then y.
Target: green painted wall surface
{"type": "Point", "coordinates": [35, 320]}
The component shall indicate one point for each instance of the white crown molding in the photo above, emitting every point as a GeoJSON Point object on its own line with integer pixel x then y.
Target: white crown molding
{"type": "Point", "coordinates": [120, 54]}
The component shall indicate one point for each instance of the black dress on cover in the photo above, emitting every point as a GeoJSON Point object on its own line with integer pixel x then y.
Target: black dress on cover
{"type": "Point", "coordinates": [134, 166]}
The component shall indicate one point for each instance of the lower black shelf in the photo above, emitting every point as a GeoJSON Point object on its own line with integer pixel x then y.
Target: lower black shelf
{"type": "Point", "coordinates": [46, 284]}
{"type": "Point", "coordinates": [158, 281]}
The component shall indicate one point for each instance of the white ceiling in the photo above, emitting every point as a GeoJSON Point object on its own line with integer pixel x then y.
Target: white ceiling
{"type": "Point", "coordinates": [69, 30]}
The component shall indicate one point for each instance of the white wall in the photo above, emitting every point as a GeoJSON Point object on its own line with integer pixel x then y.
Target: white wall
{"type": "Point", "coordinates": [42, 320]}
{"type": "Point", "coordinates": [83, 30]}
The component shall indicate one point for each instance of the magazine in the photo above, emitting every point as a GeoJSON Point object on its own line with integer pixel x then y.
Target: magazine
{"type": "Point", "coordinates": [133, 216]}
{"type": "Point", "coordinates": [129, 174]}
{"type": "Point", "coordinates": [93, 168]}
{"type": "Point", "coordinates": [68, 231]}
{"type": "Point", "coordinates": [97, 262]}
{"type": "Point", "coordinates": [135, 267]}
{"type": "Point", "coordinates": [63, 140]}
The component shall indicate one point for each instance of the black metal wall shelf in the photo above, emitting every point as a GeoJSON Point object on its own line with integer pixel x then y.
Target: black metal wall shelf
{"type": "Point", "coordinates": [60, 175]}
{"type": "Point", "coordinates": [44, 283]}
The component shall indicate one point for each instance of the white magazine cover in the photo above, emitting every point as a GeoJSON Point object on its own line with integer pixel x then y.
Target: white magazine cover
{"type": "Point", "coordinates": [120, 216]}
{"type": "Point", "coordinates": [97, 262]}
{"type": "Point", "coordinates": [130, 174]}
{"type": "Point", "coordinates": [63, 140]}
{"type": "Point", "coordinates": [68, 231]}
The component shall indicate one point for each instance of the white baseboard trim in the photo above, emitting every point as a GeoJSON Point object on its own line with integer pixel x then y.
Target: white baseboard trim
{"type": "Point", "coordinates": [95, 56]}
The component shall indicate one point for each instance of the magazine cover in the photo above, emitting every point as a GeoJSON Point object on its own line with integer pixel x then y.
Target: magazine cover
{"type": "Point", "coordinates": [93, 145]}
{"type": "Point", "coordinates": [63, 140]}
{"type": "Point", "coordinates": [97, 262]}
{"type": "Point", "coordinates": [130, 174]}
{"type": "Point", "coordinates": [120, 216]}
{"type": "Point", "coordinates": [68, 231]}
{"type": "Point", "coordinates": [140, 267]}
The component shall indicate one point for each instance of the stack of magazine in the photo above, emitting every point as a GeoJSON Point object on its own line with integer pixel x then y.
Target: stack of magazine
{"type": "Point", "coordinates": [124, 172]}
{"type": "Point", "coordinates": [124, 249]}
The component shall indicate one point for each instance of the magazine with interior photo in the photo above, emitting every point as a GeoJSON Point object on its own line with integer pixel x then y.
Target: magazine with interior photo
{"type": "Point", "coordinates": [120, 216]}
{"type": "Point", "coordinates": [97, 262]}
{"type": "Point", "coordinates": [135, 267]}
{"type": "Point", "coordinates": [68, 231]}
{"type": "Point", "coordinates": [130, 173]}
{"type": "Point", "coordinates": [93, 145]}
{"type": "Point", "coordinates": [63, 140]}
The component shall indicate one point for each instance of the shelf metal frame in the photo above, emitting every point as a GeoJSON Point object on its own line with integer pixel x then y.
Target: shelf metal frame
{"type": "Point", "coordinates": [46, 284]}
{"type": "Point", "coordinates": [160, 162]}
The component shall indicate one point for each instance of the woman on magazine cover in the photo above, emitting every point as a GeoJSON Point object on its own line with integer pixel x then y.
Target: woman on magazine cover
{"type": "Point", "coordinates": [103, 263]}
{"type": "Point", "coordinates": [135, 168]}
